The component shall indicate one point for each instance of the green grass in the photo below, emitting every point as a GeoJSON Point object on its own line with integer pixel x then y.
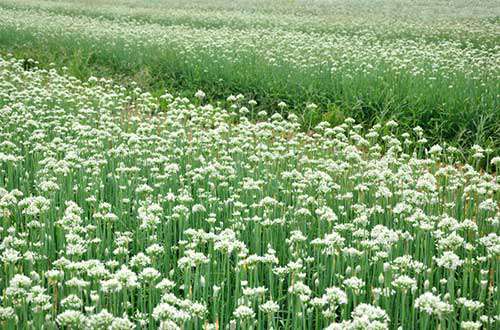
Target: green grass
{"type": "Point", "coordinates": [463, 115]}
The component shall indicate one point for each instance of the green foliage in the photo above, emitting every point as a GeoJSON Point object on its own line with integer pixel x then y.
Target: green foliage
{"type": "Point", "coordinates": [120, 209]}
{"type": "Point", "coordinates": [441, 74]}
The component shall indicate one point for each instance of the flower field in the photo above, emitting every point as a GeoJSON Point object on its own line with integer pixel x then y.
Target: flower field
{"type": "Point", "coordinates": [249, 164]}
{"type": "Point", "coordinates": [123, 210]}
{"type": "Point", "coordinates": [428, 63]}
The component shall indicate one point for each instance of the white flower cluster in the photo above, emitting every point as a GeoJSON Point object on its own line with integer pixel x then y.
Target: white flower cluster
{"type": "Point", "coordinates": [114, 218]}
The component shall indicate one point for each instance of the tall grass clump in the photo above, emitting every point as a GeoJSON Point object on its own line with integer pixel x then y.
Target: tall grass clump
{"type": "Point", "coordinates": [124, 210]}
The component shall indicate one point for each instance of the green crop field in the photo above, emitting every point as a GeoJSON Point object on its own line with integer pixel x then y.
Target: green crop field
{"type": "Point", "coordinates": [428, 63]}
{"type": "Point", "coordinates": [249, 164]}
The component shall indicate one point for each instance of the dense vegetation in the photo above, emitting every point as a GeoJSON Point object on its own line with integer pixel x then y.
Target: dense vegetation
{"type": "Point", "coordinates": [431, 64]}
{"type": "Point", "coordinates": [113, 218]}
{"type": "Point", "coordinates": [249, 165]}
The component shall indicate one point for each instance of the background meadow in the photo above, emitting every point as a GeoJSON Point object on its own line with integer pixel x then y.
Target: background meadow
{"type": "Point", "coordinates": [434, 64]}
